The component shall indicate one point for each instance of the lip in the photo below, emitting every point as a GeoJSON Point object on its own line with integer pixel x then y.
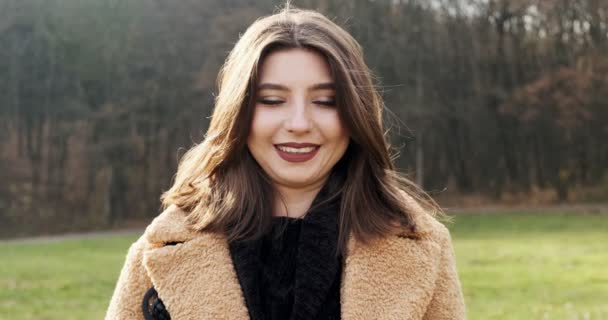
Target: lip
{"type": "Point", "coordinates": [297, 144]}
{"type": "Point", "coordinates": [297, 157]}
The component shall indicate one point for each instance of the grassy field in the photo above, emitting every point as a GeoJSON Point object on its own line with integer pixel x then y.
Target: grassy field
{"type": "Point", "coordinates": [71, 279]}
{"type": "Point", "coordinates": [533, 266]}
{"type": "Point", "coordinates": [512, 266]}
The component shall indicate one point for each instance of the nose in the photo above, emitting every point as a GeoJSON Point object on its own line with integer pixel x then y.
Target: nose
{"type": "Point", "coordinates": [298, 119]}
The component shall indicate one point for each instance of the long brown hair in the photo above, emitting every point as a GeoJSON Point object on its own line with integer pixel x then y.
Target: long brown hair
{"type": "Point", "coordinates": [223, 188]}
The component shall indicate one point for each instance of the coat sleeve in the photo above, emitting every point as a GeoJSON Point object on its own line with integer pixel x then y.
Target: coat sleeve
{"type": "Point", "coordinates": [132, 284]}
{"type": "Point", "coordinates": [447, 302]}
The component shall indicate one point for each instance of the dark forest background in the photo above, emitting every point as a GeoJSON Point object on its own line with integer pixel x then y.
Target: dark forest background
{"type": "Point", "coordinates": [99, 98]}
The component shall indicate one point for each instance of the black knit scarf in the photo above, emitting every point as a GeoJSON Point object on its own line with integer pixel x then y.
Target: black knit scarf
{"type": "Point", "coordinates": [317, 273]}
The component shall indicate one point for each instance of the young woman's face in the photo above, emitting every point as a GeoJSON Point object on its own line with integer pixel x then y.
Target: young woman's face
{"type": "Point", "coordinates": [296, 134]}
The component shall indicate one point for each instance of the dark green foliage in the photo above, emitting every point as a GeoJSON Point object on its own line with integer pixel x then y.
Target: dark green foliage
{"type": "Point", "coordinates": [99, 98]}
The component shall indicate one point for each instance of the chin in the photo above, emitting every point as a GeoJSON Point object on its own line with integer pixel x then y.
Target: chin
{"type": "Point", "coordinates": [298, 181]}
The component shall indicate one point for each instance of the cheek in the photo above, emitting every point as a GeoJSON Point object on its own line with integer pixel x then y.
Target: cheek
{"type": "Point", "coordinates": [262, 126]}
{"type": "Point", "coordinates": [333, 128]}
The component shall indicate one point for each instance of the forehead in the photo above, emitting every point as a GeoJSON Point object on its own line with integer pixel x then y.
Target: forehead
{"type": "Point", "coordinates": [295, 66]}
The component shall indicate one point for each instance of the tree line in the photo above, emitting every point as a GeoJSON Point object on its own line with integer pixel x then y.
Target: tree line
{"type": "Point", "coordinates": [101, 97]}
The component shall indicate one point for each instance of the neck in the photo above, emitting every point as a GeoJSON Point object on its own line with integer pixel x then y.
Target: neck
{"type": "Point", "coordinates": [295, 202]}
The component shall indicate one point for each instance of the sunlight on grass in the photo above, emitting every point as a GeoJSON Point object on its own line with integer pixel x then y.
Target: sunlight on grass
{"type": "Point", "coordinates": [533, 266]}
{"type": "Point", "coordinates": [61, 280]}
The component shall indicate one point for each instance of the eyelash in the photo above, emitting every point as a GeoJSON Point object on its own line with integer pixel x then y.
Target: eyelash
{"type": "Point", "coordinates": [277, 102]}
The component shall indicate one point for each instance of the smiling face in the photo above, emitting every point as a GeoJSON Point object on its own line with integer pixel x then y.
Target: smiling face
{"type": "Point", "coordinates": [296, 134]}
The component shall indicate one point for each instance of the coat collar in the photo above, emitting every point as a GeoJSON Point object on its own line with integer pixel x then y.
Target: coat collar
{"type": "Point", "coordinates": [389, 278]}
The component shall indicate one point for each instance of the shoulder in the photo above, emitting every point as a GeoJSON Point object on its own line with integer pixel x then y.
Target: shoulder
{"type": "Point", "coordinates": [171, 225]}
{"type": "Point", "coordinates": [430, 241]}
{"type": "Point", "coordinates": [427, 226]}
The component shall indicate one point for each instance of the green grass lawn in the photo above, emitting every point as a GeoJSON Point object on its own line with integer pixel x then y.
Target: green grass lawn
{"type": "Point", "coordinates": [72, 279]}
{"type": "Point", "coordinates": [533, 266]}
{"type": "Point", "coordinates": [512, 266]}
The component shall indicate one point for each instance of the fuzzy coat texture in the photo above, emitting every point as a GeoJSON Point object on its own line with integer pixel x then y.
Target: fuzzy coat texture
{"type": "Point", "coordinates": [394, 277]}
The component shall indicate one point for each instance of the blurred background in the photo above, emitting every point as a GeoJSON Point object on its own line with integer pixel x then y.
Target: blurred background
{"type": "Point", "coordinates": [498, 108]}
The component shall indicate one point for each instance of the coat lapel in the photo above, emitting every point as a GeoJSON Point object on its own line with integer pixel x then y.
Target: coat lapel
{"type": "Point", "coordinates": [195, 278]}
{"type": "Point", "coordinates": [389, 278]}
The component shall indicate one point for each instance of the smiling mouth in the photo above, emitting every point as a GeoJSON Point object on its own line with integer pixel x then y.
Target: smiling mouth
{"type": "Point", "coordinates": [294, 152]}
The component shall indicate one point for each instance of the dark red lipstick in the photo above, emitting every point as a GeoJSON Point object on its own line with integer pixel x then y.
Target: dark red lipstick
{"type": "Point", "coordinates": [297, 152]}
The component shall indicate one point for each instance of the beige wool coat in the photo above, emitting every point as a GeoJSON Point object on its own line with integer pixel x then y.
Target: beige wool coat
{"type": "Point", "coordinates": [391, 278]}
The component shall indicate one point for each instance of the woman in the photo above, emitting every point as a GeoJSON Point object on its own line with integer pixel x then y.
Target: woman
{"type": "Point", "coordinates": [291, 207]}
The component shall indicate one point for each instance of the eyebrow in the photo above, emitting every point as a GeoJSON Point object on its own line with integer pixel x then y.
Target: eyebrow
{"type": "Point", "coordinates": [318, 86]}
